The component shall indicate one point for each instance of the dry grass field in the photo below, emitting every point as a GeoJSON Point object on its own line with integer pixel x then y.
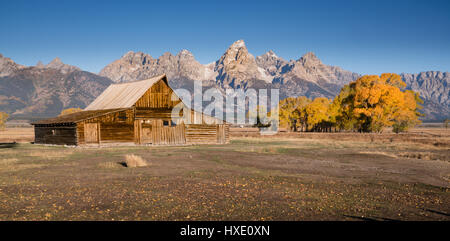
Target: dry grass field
{"type": "Point", "coordinates": [17, 135]}
{"type": "Point", "coordinates": [306, 176]}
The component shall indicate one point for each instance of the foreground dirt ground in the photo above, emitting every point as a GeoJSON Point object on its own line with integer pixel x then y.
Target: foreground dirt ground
{"type": "Point", "coordinates": [272, 178]}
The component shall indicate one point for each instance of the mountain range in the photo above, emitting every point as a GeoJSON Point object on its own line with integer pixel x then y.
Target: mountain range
{"type": "Point", "coordinates": [44, 90]}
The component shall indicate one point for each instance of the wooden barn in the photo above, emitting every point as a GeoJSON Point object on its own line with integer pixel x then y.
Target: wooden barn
{"type": "Point", "coordinates": [132, 113]}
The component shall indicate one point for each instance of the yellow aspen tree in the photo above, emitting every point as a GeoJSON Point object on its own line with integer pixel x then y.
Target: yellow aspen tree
{"type": "Point", "coordinates": [3, 118]}
{"type": "Point", "coordinates": [70, 111]}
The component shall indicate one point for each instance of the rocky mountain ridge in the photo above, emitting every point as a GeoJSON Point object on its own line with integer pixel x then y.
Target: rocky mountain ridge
{"type": "Point", "coordinates": [44, 90]}
{"type": "Point", "coordinates": [55, 84]}
{"type": "Point", "coordinates": [237, 68]}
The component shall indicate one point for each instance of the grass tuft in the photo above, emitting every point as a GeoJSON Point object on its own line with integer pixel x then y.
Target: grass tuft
{"type": "Point", "coordinates": [134, 161]}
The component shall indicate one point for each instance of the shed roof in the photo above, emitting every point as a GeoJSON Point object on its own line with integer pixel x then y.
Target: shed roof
{"type": "Point", "coordinates": [77, 116]}
{"type": "Point", "coordinates": [123, 95]}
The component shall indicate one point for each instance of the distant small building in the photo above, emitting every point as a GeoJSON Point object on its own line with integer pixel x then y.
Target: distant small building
{"type": "Point", "coordinates": [135, 112]}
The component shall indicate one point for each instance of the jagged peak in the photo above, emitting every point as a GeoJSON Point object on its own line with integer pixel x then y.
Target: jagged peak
{"type": "Point", "coordinates": [129, 53]}
{"type": "Point", "coordinates": [270, 54]}
{"type": "Point", "coordinates": [235, 51]}
{"type": "Point", "coordinates": [310, 57]}
{"type": "Point", "coordinates": [57, 59]}
{"type": "Point", "coordinates": [238, 44]}
{"type": "Point", "coordinates": [184, 52]}
{"type": "Point", "coordinates": [132, 54]}
{"type": "Point", "coordinates": [167, 54]}
{"type": "Point", "coordinates": [56, 63]}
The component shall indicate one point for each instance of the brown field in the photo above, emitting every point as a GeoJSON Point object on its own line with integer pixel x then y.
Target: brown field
{"type": "Point", "coordinates": [291, 176]}
{"type": "Point", "coordinates": [24, 134]}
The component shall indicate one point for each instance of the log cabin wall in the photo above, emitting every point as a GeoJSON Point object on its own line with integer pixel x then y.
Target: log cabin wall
{"type": "Point", "coordinates": [227, 133]}
{"type": "Point", "coordinates": [55, 134]}
{"type": "Point", "coordinates": [159, 132]}
{"type": "Point", "coordinates": [201, 134]}
{"type": "Point", "coordinates": [158, 96]}
{"type": "Point", "coordinates": [153, 113]}
{"type": "Point", "coordinates": [113, 127]}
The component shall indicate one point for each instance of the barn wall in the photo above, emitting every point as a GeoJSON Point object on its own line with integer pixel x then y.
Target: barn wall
{"type": "Point", "coordinates": [201, 134]}
{"type": "Point", "coordinates": [153, 131]}
{"type": "Point", "coordinates": [158, 96]}
{"type": "Point", "coordinates": [116, 132]}
{"type": "Point", "coordinates": [58, 135]}
{"type": "Point", "coordinates": [80, 133]}
{"type": "Point", "coordinates": [114, 127]}
{"type": "Point", "coordinates": [149, 128]}
{"type": "Point", "coordinates": [153, 113]}
{"type": "Point", "coordinates": [227, 133]}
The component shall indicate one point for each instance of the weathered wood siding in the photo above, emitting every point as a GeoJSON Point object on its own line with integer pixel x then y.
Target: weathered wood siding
{"type": "Point", "coordinates": [158, 96]}
{"type": "Point", "coordinates": [153, 113]}
{"type": "Point", "coordinates": [154, 132]}
{"type": "Point", "coordinates": [221, 134]}
{"type": "Point", "coordinates": [80, 133]}
{"type": "Point", "coordinates": [227, 133]}
{"type": "Point", "coordinates": [114, 127]}
{"type": "Point", "coordinates": [91, 132]}
{"type": "Point", "coordinates": [167, 135]}
{"type": "Point", "coordinates": [201, 134]}
{"type": "Point", "coordinates": [116, 132]}
{"type": "Point", "coordinates": [61, 135]}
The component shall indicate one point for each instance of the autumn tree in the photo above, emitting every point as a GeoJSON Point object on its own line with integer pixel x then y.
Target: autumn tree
{"type": "Point", "coordinates": [3, 118]}
{"type": "Point", "coordinates": [70, 111]}
{"type": "Point", "coordinates": [291, 112]}
{"type": "Point", "coordinates": [317, 115]}
{"type": "Point", "coordinates": [368, 104]}
{"type": "Point", "coordinates": [373, 102]}
{"type": "Point", "coordinates": [342, 109]}
{"type": "Point", "coordinates": [408, 115]}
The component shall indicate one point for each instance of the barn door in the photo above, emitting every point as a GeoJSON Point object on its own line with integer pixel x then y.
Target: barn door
{"type": "Point", "coordinates": [147, 133]}
{"type": "Point", "coordinates": [171, 134]}
{"type": "Point", "coordinates": [221, 134]}
{"type": "Point", "coordinates": [91, 132]}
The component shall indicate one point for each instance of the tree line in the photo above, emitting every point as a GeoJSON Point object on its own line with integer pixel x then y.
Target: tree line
{"type": "Point", "coordinates": [369, 104]}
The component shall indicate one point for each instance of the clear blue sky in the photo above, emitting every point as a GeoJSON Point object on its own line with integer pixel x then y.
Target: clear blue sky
{"type": "Point", "coordinates": [368, 37]}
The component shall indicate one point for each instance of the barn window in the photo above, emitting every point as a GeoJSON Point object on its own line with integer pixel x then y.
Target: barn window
{"type": "Point", "coordinates": [54, 132]}
{"type": "Point", "coordinates": [172, 123]}
{"type": "Point", "coordinates": [165, 123]}
{"type": "Point", "coordinates": [122, 116]}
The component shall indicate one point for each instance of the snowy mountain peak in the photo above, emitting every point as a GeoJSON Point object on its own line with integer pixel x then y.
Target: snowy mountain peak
{"type": "Point", "coordinates": [271, 54]}
{"type": "Point", "coordinates": [238, 44]}
{"type": "Point", "coordinates": [185, 52]}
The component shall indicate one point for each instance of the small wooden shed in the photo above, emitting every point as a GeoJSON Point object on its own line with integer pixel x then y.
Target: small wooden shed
{"type": "Point", "coordinates": [136, 112]}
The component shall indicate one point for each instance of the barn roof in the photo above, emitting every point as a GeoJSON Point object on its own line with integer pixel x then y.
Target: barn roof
{"type": "Point", "coordinates": [123, 95]}
{"type": "Point", "coordinates": [77, 116]}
